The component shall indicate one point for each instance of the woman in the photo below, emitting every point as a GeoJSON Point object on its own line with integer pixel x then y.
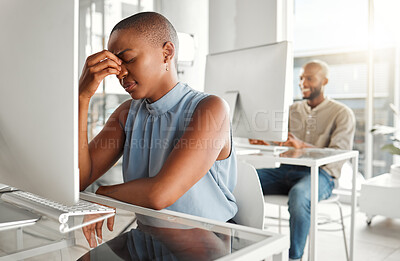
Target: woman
{"type": "Point", "coordinates": [176, 142]}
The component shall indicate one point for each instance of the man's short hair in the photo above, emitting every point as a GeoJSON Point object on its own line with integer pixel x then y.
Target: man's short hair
{"type": "Point", "coordinates": [154, 27]}
{"type": "Point", "coordinates": [324, 66]}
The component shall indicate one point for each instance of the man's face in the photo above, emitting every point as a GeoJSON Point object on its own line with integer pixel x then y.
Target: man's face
{"type": "Point", "coordinates": [142, 63]}
{"type": "Point", "coordinates": [312, 81]}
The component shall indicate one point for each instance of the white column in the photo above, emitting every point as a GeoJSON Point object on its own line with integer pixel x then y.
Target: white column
{"type": "Point", "coordinates": [369, 106]}
{"type": "Point", "coordinates": [396, 95]}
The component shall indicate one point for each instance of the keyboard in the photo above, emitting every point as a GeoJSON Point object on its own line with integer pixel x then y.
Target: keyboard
{"type": "Point", "coordinates": [53, 209]}
{"type": "Point", "coordinates": [274, 149]}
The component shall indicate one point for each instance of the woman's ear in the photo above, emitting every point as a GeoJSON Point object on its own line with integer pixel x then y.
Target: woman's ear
{"type": "Point", "coordinates": [168, 51]}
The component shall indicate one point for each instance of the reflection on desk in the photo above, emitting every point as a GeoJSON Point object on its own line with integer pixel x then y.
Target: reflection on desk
{"type": "Point", "coordinates": [154, 243]}
{"type": "Point", "coordinates": [155, 239]}
{"type": "Point", "coordinates": [173, 235]}
{"type": "Point", "coordinates": [311, 153]}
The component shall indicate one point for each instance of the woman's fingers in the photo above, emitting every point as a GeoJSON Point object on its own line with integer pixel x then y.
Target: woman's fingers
{"type": "Point", "coordinates": [86, 233]}
{"type": "Point", "coordinates": [99, 76]}
{"type": "Point", "coordinates": [107, 63]}
{"type": "Point", "coordinates": [90, 232]}
{"type": "Point", "coordinates": [89, 82]}
{"type": "Point", "coordinates": [93, 242]}
{"type": "Point", "coordinates": [110, 223]}
{"type": "Point", "coordinates": [97, 67]}
{"type": "Point", "coordinates": [99, 226]}
{"type": "Point", "coordinates": [100, 56]}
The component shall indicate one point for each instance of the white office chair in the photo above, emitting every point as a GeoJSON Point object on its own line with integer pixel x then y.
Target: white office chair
{"type": "Point", "coordinates": [282, 200]}
{"type": "Point", "coordinates": [249, 197]}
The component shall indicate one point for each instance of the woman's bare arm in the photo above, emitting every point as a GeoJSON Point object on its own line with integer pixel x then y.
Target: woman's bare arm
{"type": "Point", "coordinates": [96, 68]}
{"type": "Point", "coordinates": [107, 147]}
{"type": "Point", "coordinates": [206, 139]}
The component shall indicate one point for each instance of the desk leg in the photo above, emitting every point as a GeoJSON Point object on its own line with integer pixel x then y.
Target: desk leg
{"type": "Point", "coordinates": [313, 217]}
{"type": "Point", "coordinates": [283, 256]}
{"type": "Point", "coordinates": [20, 238]}
{"type": "Point", "coordinates": [353, 205]}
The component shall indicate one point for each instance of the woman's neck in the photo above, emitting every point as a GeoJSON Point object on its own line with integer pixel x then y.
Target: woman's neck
{"type": "Point", "coordinates": [163, 89]}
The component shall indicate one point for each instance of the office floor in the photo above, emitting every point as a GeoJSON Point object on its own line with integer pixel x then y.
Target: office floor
{"type": "Point", "coordinates": [378, 242]}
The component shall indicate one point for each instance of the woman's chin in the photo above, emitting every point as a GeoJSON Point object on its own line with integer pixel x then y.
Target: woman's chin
{"type": "Point", "coordinates": [136, 95]}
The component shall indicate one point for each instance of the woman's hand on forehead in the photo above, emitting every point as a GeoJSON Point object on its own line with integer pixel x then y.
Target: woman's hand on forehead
{"type": "Point", "coordinates": [96, 68]}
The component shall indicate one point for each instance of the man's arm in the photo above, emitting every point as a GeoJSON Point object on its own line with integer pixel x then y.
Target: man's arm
{"type": "Point", "coordinates": [292, 141]}
{"type": "Point", "coordinates": [343, 135]}
{"type": "Point", "coordinates": [295, 142]}
{"type": "Point", "coordinates": [341, 138]}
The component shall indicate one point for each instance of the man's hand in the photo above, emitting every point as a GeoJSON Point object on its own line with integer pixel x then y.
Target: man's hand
{"type": "Point", "coordinates": [258, 142]}
{"type": "Point", "coordinates": [293, 141]}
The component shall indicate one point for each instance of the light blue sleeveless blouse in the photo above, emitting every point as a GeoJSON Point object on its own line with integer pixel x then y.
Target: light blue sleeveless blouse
{"type": "Point", "coordinates": [153, 129]}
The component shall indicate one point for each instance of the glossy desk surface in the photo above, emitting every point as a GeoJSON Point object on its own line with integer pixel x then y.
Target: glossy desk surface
{"type": "Point", "coordinates": [143, 234]}
{"type": "Point", "coordinates": [302, 157]}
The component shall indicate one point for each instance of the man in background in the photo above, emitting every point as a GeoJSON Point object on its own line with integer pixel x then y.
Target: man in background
{"type": "Point", "coordinates": [315, 122]}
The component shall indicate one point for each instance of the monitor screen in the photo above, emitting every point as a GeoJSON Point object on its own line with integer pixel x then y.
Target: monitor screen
{"type": "Point", "coordinates": [39, 97]}
{"type": "Point", "coordinates": [257, 84]}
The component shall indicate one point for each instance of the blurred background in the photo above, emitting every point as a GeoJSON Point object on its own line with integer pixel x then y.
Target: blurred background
{"type": "Point", "coordinates": [359, 39]}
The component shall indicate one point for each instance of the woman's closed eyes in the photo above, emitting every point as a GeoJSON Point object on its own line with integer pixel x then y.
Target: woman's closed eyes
{"type": "Point", "coordinates": [129, 61]}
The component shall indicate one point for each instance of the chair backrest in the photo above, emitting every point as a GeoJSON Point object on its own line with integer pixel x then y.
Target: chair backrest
{"type": "Point", "coordinates": [249, 197]}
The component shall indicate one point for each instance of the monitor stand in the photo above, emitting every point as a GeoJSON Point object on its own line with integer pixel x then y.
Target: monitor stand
{"type": "Point", "coordinates": [231, 99]}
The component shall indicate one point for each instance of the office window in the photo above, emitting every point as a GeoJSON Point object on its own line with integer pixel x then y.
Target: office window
{"type": "Point", "coordinates": [336, 31]}
{"type": "Point", "coordinates": [97, 18]}
{"type": "Point", "coordinates": [330, 25]}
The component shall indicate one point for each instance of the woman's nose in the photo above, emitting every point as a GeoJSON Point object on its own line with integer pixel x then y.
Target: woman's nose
{"type": "Point", "coordinates": [122, 73]}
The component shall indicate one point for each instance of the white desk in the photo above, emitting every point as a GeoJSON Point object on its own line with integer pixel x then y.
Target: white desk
{"type": "Point", "coordinates": [313, 158]}
{"type": "Point", "coordinates": [234, 242]}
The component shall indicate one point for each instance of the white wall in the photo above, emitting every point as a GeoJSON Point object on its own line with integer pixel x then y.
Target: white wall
{"type": "Point", "coordinates": [236, 24]}
{"type": "Point", "coordinates": [221, 25]}
{"type": "Point", "coordinates": [189, 17]}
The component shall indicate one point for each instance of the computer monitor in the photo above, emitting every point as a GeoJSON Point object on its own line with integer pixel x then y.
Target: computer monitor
{"type": "Point", "coordinates": [39, 97]}
{"type": "Point", "coordinates": [257, 84]}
